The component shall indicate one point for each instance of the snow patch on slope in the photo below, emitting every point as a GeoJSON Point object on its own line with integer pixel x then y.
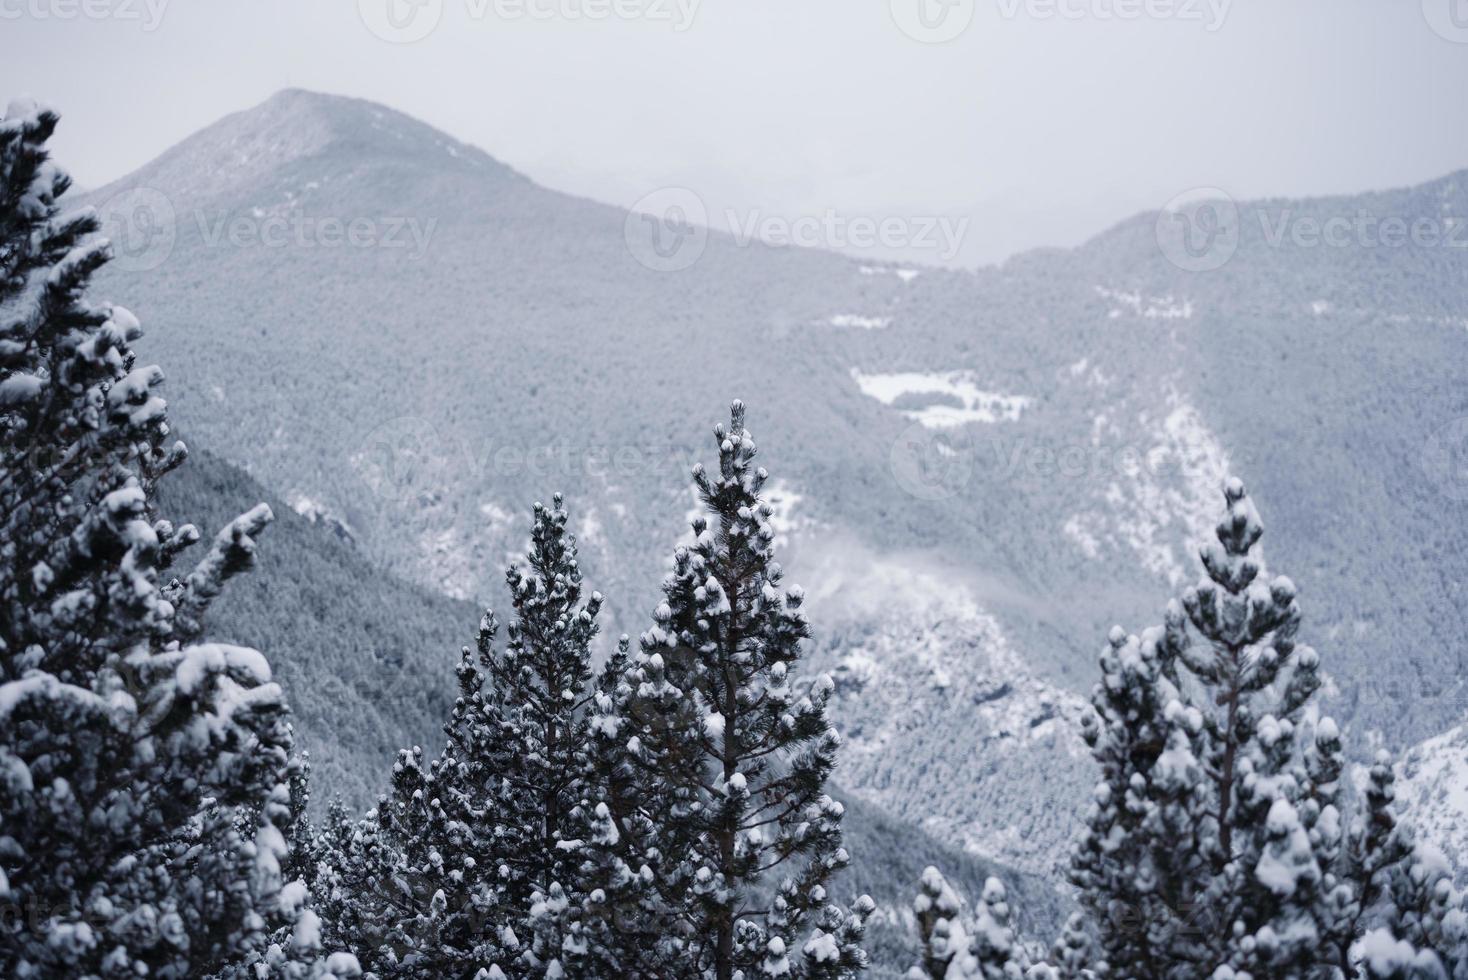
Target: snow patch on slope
{"type": "Point", "coordinates": [860, 322]}
{"type": "Point", "coordinates": [974, 404]}
{"type": "Point", "coordinates": [1438, 321]}
{"type": "Point", "coordinates": [1091, 374]}
{"type": "Point", "coordinates": [318, 513]}
{"type": "Point", "coordinates": [589, 530]}
{"type": "Point", "coordinates": [448, 563]}
{"type": "Point", "coordinates": [453, 553]}
{"type": "Point", "coordinates": [906, 275]}
{"type": "Point", "coordinates": [1167, 307]}
{"type": "Point", "coordinates": [1161, 495]}
{"type": "Point", "coordinates": [784, 501]}
{"type": "Point", "coordinates": [497, 516]}
{"type": "Point", "coordinates": [944, 723]}
{"type": "Point", "coordinates": [1432, 790]}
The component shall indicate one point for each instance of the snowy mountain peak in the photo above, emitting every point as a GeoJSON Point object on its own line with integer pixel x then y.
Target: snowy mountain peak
{"type": "Point", "coordinates": [295, 128]}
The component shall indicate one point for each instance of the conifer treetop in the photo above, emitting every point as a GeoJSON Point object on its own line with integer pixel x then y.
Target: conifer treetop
{"type": "Point", "coordinates": [1218, 842]}
{"type": "Point", "coordinates": [741, 745]}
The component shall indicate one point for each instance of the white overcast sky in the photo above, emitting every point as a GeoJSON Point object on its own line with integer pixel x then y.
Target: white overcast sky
{"type": "Point", "coordinates": [1041, 122]}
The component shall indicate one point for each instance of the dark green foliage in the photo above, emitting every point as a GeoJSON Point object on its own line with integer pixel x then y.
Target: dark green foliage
{"type": "Point", "coordinates": [474, 859]}
{"type": "Point", "coordinates": [1426, 933]}
{"type": "Point", "coordinates": [738, 750]}
{"type": "Point", "coordinates": [888, 855]}
{"type": "Point", "coordinates": [541, 681]}
{"type": "Point", "coordinates": [425, 885]}
{"type": "Point", "coordinates": [367, 658]}
{"type": "Point", "coordinates": [1220, 842]}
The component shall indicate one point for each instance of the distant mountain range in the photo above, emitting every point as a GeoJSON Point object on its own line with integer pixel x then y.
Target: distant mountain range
{"type": "Point", "coordinates": [977, 472]}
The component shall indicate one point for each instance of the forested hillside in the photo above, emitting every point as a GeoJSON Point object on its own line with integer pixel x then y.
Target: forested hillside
{"type": "Point", "coordinates": [1031, 450]}
{"type": "Point", "coordinates": [368, 659]}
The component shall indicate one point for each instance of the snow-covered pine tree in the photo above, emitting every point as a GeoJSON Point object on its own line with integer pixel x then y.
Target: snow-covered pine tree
{"type": "Point", "coordinates": [298, 830]}
{"type": "Point", "coordinates": [997, 954]}
{"type": "Point", "coordinates": [474, 861]}
{"type": "Point", "coordinates": [936, 909]}
{"type": "Point", "coordinates": [739, 750]}
{"type": "Point", "coordinates": [1071, 957]}
{"type": "Point", "coordinates": [624, 926]}
{"type": "Point", "coordinates": [1216, 845]}
{"type": "Point", "coordinates": [418, 887]}
{"type": "Point", "coordinates": [129, 750]}
{"type": "Point", "coordinates": [960, 947]}
{"type": "Point", "coordinates": [328, 850]}
{"type": "Point", "coordinates": [1425, 936]}
{"type": "Point", "coordinates": [542, 680]}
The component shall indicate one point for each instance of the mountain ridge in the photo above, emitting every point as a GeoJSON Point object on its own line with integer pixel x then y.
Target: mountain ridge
{"type": "Point", "coordinates": [335, 114]}
{"type": "Point", "coordinates": [303, 123]}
